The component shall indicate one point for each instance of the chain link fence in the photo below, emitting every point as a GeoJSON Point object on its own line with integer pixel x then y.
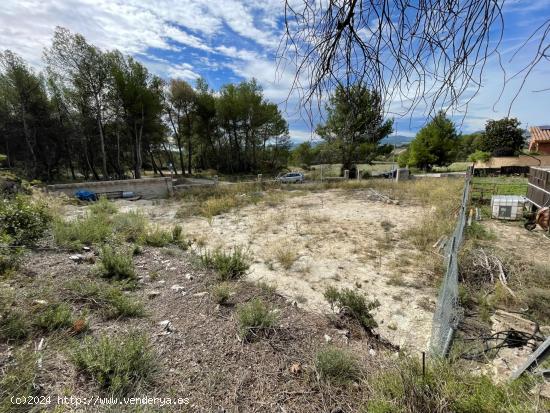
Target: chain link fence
{"type": "Point", "coordinates": [447, 311]}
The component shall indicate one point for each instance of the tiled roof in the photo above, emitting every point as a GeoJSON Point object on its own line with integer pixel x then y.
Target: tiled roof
{"type": "Point", "coordinates": [540, 133]}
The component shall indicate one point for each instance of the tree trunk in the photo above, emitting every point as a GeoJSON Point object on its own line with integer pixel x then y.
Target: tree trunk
{"type": "Point", "coordinates": [101, 140]}
{"type": "Point", "coordinates": [27, 134]}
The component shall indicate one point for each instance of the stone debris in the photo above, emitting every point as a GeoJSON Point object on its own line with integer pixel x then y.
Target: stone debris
{"type": "Point", "coordinates": [177, 288]}
{"type": "Point", "coordinates": [153, 294]}
{"type": "Point", "coordinates": [166, 326]}
{"type": "Point", "coordinates": [328, 338]}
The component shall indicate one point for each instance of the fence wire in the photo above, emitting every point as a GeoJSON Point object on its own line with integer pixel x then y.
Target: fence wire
{"type": "Point", "coordinates": [447, 311]}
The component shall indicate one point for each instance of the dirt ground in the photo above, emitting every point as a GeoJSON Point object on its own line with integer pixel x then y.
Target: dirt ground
{"type": "Point", "coordinates": [337, 239]}
{"type": "Point", "coordinates": [200, 356]}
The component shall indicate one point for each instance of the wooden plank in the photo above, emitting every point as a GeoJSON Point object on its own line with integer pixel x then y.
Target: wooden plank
{"type": "Point", "coordinates": [539, 354]}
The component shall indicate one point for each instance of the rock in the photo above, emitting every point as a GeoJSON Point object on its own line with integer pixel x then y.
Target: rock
{"type": "Point", "coordinates": [372, 352]}
{"type": "Point", "coordinates": [328, 338]}
{"type": "Point", "coordinates": [40, 302]}
{"type": "Point", "coordinates": [177, 287]}
{"type": "Point", "coordinates": [201, 294]}
{"type": "Point", "coordinates": [86, 249]}
{"type": "Point", "coordinates": [161, 282]}
{"type": "Point", "coordinates": [166, 325]}
{"type": "Point", "coordinates": [76, 258]}
{"type": "Point", "coordinates": [188, 276]}
{"type": "Point", "coordinates": [153, 294]}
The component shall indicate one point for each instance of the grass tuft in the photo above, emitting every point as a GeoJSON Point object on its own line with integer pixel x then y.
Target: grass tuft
{"type": "Point", "coordinates": [337, 366]}
{"type": "Point", "coordinates": [353, 304]}
{"type": "Point", "coordinates": [54, 317]}
{"type": "Point", "coordinates": [222, 292]}
{"type": "Point", "coordinates": [116, 265]}
{"type": "Point", "coordinates": [13, 326]}
{"type": "Point", "coordinates": [255, 318]}
{"type": "Point", "coordinates": [120, 365]}
{"type": "Point", "coordinates": [229, 265]}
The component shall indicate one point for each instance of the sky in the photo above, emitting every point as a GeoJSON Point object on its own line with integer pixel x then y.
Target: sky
{"type": "Point", "coordinates": [227, 41]}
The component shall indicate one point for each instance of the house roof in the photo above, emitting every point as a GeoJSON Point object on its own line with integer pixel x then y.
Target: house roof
{"type": "Point", "coordinates": [539, 134]}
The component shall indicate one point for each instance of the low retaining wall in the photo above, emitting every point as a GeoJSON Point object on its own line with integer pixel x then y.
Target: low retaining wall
{"type": "Point", "coordinates": [148, 188]}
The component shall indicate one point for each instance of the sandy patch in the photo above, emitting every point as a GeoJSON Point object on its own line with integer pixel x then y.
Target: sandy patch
{"type": "Point", "coordinates": [324, 238]}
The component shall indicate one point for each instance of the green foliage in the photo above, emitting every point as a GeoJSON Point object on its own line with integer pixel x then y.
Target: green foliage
{"type": "Point", "coordinates": [13, 326]}
{"type": "Point", "coordinates": [109, 299]}
{"type": "Point", "coordinates": [255, 318]}
{"type": "Point", "coordinates": [403, 389]}
{"type": "Point", "coordinates": [433, 144]}
{"type": "Point", "coordinates": [116, 264]}
{"type": "Point", "coordinates": [337, 366]}
{"type": "Point", "coordinates": [221, 292]}
{"type": "Point", "coordinates": [228, 265]}
{"type": "Point", "coordinates": [479, 156]}
{"type": "Point", "coordinates": [355, 124]}
{"type": "Point", "coordinates": [89, 230]}
{"type": "Point", "coordinates": [19, 376]}
{"type": "Point", "coordinates": [54, 317]}
{"type": "Point", "coordinates": [502, 137]}
{"type": "Point", "coordinates": [353, 304]}
{"type": "Point", "coordinates": [303, 154]}
{"type": "Point", "coordinates": [119, 364]}
{"type": "Point", "coordinates": [103, 206]}
{"type": "Point", "coordinates": [157, 237]}
{"type": "Point", "coordinates": [131, 225]}
{"type": "Point", "coordinates": [23, 220]}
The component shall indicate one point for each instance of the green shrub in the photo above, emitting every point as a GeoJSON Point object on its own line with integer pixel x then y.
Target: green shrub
{"type": "Point", "coordinates": [120, 365]}
{"type": "Point", "coordinates": [103, 206]}
{"type": "Point", "coordinates": [109, 299]}
{"type": "Point", "coordinates": [538, 302]}
{"type": "Point", "coordinates": [403, 388]}
{"type": "Point", "coordinates": [229, 266]}
{"type": "Point", "coordinates": [337, 366]}
{"type": "Point", "coordinates": [10, 258]}
{"type": "Point", "coordinates": [254, 318]}
{"type": "Point", "coordinates": [353, 304]}
{"type": "Point", "coordinates": [54, 317]}
{"type": "Point", "coordinates": [23, 220]}
{"type": "Point", "coordinates": [221, 292]}
{"type": "Point", "coordinates": [92, 229]}
{"type": "Point", "coordinates": [13, 326]}
{"type": "Point", "coordinates": [157, 237]}
{"type": "Point", "coordinates": [18, 379]}
{"type": "Point", "coordinates": [116, 265]}
{"type": "Point", "coordinates": [479, 232]}
{"type": "Point", "coordinates": [130, 225]}
{"type": "Point", "coordinates": [178, 238]}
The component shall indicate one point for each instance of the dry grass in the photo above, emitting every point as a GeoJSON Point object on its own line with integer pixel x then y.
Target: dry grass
{"type": "Point", "coordinates": [285, 255]}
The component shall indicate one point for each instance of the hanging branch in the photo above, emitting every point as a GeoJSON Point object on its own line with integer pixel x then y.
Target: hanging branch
{"type": "Point", "coordinates": [427, 54]}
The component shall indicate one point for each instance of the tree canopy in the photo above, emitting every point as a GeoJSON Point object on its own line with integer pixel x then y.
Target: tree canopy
{"type": "Point", "coordinates": [434, 144]}
{"type": "Point", "coordinates": [502, 137]}
{"type": "Point", "coordinates": [355, 124]}
{"type": "Point", "coordinates": [96, 114]}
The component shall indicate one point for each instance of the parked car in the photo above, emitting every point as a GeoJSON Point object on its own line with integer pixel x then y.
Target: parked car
{"type": "Point", "coordinates": [291, 177]}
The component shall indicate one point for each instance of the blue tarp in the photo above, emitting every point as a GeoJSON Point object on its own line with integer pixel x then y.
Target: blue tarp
{"type": "Point", "coordinates": [85, 195]}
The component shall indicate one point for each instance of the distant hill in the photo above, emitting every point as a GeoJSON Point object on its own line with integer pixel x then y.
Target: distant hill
{"type": "Point", "coordinates": [397, 140]}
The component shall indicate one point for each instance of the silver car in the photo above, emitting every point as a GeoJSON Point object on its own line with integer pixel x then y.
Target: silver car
{"type": "Point", "coordinates": [291, 177]}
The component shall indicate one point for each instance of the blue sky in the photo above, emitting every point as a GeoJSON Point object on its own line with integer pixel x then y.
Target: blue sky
{"type": "Point", "coordinates": [230, 40]}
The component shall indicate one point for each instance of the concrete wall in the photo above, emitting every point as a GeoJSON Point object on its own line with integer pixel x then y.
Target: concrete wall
{"type": "Point", "coordinates": [522, 160]}
{"type": "Point", "coordinates": [148, 188]}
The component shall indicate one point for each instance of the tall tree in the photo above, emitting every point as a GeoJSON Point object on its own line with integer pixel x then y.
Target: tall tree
{"type": "Point", "coordinates": [433, 145]}
{"type": "Point", "coordinates": [25, 98]}
{"type": "Point", "coordinates": [87, 69]}
{"type": "Point", "coordinates": [138, 96]}
{"type": "Point", "coordinates": [355, 124]}
{"type": "Point", "coordinates": [180, 109]}
{"type": "Point", "coordinates": [502, 137]}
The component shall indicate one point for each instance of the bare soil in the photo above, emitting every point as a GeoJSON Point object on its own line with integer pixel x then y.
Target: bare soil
{"type": "Point", "coordinates": [201, 358]}
{"type": "Point", "coordinates": [337, 239]}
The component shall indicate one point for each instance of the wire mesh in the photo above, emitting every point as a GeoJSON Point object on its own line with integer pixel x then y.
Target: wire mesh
{"type": "Point", "coordinates": [448, 311]}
